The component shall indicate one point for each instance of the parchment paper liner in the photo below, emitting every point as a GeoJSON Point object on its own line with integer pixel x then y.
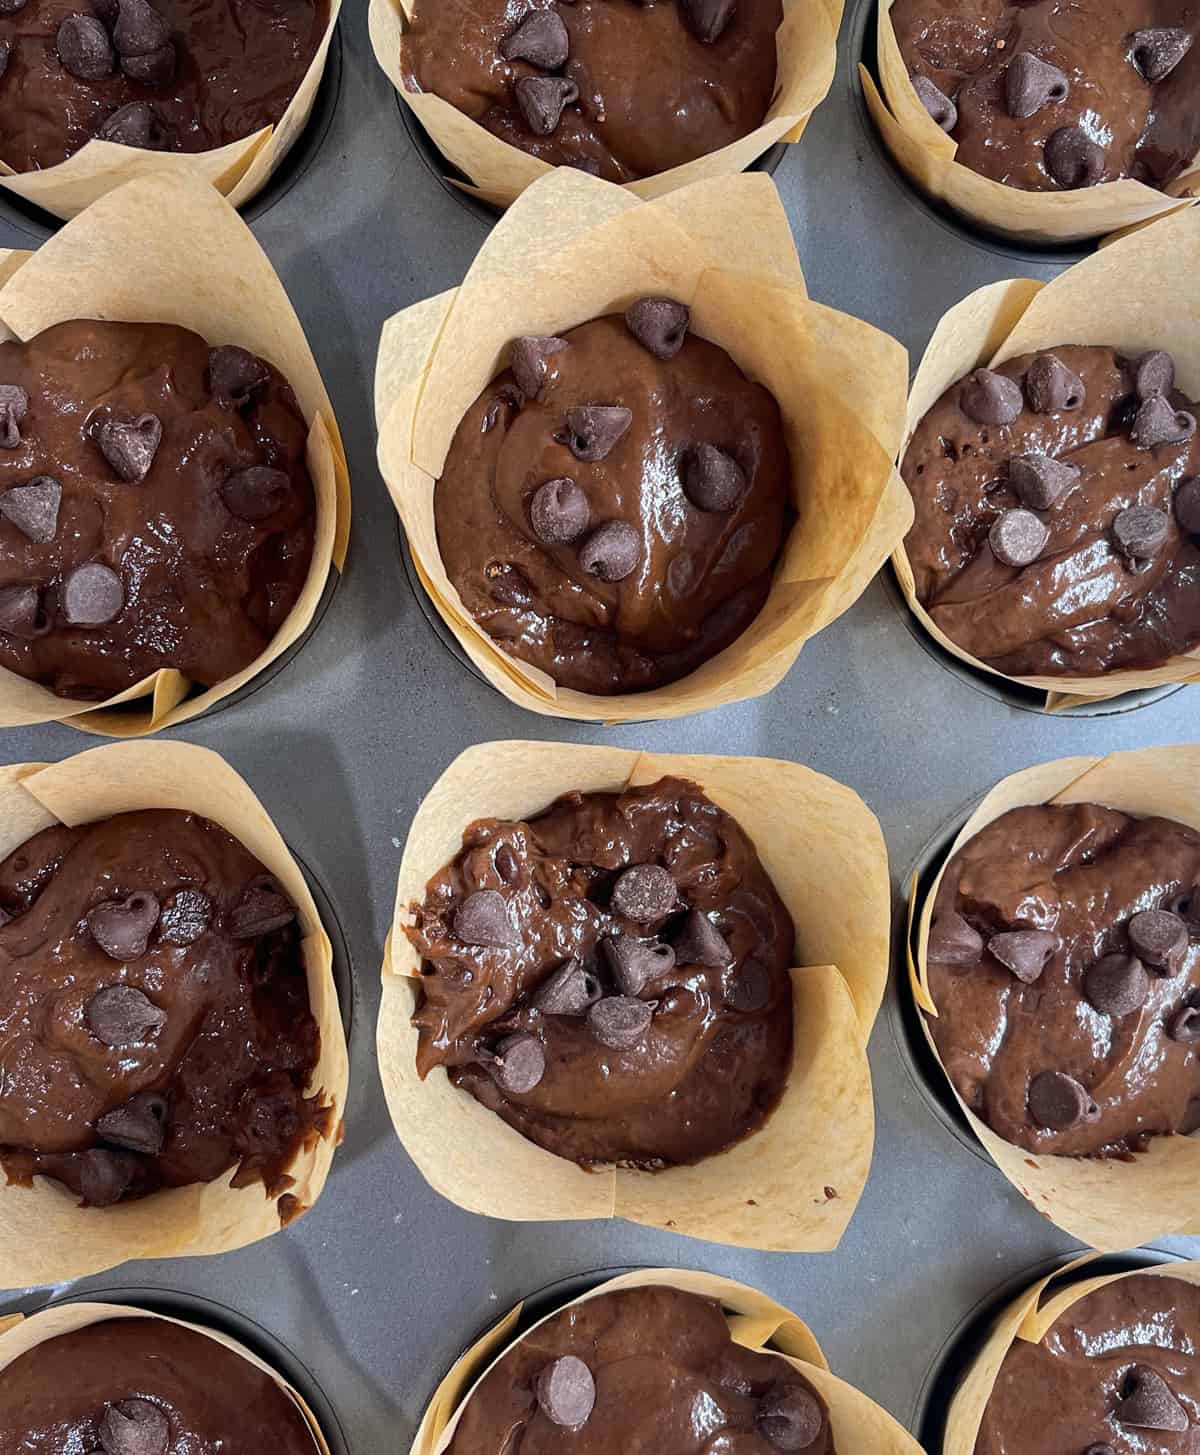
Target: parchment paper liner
{"type": "Point", "coordinates": [572, 248]}
{"type": "Point", "coordinates": [824, 850]}
{"type": "Point", "coordinates": [1110, 1203]}
{"type": "Point", "coordinates": [924, 151]}
{"type": "Point", "coordinates": [755, 1321]}
{"type": "Point", "coordinates": [45, 1236]}
{"type": "Point", "coordinates": [806, 45]}
{"type": "Point", "coordinates": [238, 171]}
{"type": "Point", "coordinates": [19, 1334]}
{"type": "Point", "coordinates": [1030, 1317]}
{"type": "Point", "coordinates": [168, 249]}
{"type": "Point", "coordinates": [1140, 293]}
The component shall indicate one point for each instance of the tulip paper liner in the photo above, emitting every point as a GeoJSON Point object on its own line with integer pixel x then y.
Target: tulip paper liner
{"type": "Point", "coordinates": [1110, 1203]}
{"type": "Point", "coordinates": [170, 250]}
{"type": "Point", "coordinates": [755, 1322]}
{"type": "Point", "coordinates": [794, 1183]}
{"type": "Point", "coordinates": [1030, 1317]}
{"type": "Point", "coordinates": [1141, 293]}
{"type": "Point", "coordinates": [573, 248]}
{"type": "Point", "coordinates": [18, 1335]}
{"type": "Point", "coordinates": [925, 152]}
{"type": "Point", "coordinates": [238, 170]}
{"type": "Point", "coordinates": [45, 1235]}
{"type": "Point", "coordinates": [806, 44]}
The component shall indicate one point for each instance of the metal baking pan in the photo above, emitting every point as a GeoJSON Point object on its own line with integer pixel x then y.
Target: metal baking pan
{"type": "Point", "coordinates": [378, 1289]}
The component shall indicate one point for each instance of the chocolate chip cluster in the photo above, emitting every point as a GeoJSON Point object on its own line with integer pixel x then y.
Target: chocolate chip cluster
{"type": "Point", "coordinates": [120, 35]}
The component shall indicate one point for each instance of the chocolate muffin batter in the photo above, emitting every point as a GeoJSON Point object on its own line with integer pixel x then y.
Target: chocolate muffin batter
{"type": "Point", "coordinates": [615, 87]}
{"type": "Point", "coordinates": [169, 75]}
{"type": "Point", "coordinates": [155, 506]}
{"type": "Point", "coordinates": [155, 1027]}
{"type": "Point", "coordinates": [1064, 961]}
{"type": "Point", "coordinates": [141, 1387]}
{"type": "Point", "coordinates": [611, 977]}
{"type": "Point", "coordinates": [1057, 522]}
{"type": "Point", "coordinates": [648, 1368]}
{"type": "Point", "coordinates": [1117, 1374]}
{"type": "Point", "coordinates": [1052, 95]}
{"type": "Point", "coordinates": [613, 504]}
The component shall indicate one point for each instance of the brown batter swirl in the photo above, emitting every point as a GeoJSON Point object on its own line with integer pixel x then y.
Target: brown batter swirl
{"type": "Point", "coordinates": [708, 1064]}
{"type": "Point", "coordinates": [1078, 873]}
{"type": "Point", "coordinates": [1066, 1395]}
{"type": "Point", "coordinates": [667, 1377]}
{"type": "Point", "coordinates": [207, 1043]}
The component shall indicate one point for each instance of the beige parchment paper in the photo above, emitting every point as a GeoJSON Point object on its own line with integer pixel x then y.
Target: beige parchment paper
{"type": "Point", "coordinates": [19, 1335]}
{"type": "Point", "coordinates": [755, 1322]}
{"type": "Point", "coordinates": [806, 46]}
{"type": "Point", "coordinates": [45, 1236]}
{"type": "Point", "coordinates": [924, 151]}
{"type": "Point", "coordinates": [1142, 292]}
{"type": "Point", "coordinates": [169, 249]}
{"type": "Point", "coordinates": [238, 171]}
{"type": "Point", "coordinates": [572, 248]}
{"type": "Point", "coordinates": [1108, 1203]}
{"type": "Point", "coordinates": [824, 850]}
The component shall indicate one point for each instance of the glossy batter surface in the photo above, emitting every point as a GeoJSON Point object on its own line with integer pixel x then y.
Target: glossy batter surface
{"type": "Point", "coordinates": [705, 1073]}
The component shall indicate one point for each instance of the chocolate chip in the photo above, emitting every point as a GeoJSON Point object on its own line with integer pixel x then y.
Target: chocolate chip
{"type": "Point", "coordinates": [1025, 952]}
{"type": "Point", "coordinates": [234, 374]}
{"type": "Point", "coordinates": [122, 927]}
{"type": "Point", "coordinates": [1157, 51]}
{"type": "Point", "coordinates": [1184, 1023]}
{"type": "Point", "coordinates": [135, 124]}
{"type": "Point", "coordinates": [707, 19]}
{"type": "Point", "coordinates": [559, 512]}
{"type": "Point", "coordinates": [612, 551]}
{"type": "Point", "coordinates": [936, 102]}
{"type": "Point", "coordinates": [1187, 505]}
{"type": "Point", "coordinates": [1153, 373]}
{"type": "Point", "coordinates": [84, 48]}
{"type": "Point", "coordinates": [519, 1063]}
{"type": "Point", "coordinates": [659, 324]}
{"type": "Point", "coordinates": [990, 398]}
{"type": "Point", "coordinates": [33, 508]}
{"type": "Point", "coordinates": [644, 892]}
{"type": "Point", "coordinates": [1057, 1101]}
{"type": "Point", "coordinates": [140, 1125]}
{"type": "Point", "coordinates": [14, 404]}
{"type": "Point", "coordinates": [1031, 83]}
{"type": "Point", "coordinates": [507, 864]}
{"type": "Point", "coordinates": [21, 612]}
{"type": "Point", "coordinates": [566, 1391]}
{"type": "Point", "coordinates": [1117, 985]}
{"type": "Point", "coordinates": [619, 1021]}
{"type": "Point", "coordinates": [568, 991]}
{"type": "Point", "coordinates": [712, 480]}
{"type": "Point", "coordinates": [105, 1176]}
{"type": "Point", "coordinates": [1051, 387]}
{"type": "Point", "coordinates": [750, 988]}
{"type": "Point", "coordinates": [262, 908]}
{"type": "Point", "coordinates": [129, 446]}
{"type": "Point", "coordinates": [482, 919]}
{"type": "Point", "coordinates": [1147, 1402]}
{"type": "Point", "coordinates": [593, 430]}
{"type": "Point", "coordinates": [92, 595]}
{"type": "Point", "coordinates": [134, 1427]}
{"type": "Point", "coordinates": [541, 39]}
{"type": "Point", "coordinates": [120, 1016]}
{"type": "Point", "coordinates": [256, 493]}
{"type": "Point", "coordinates": [1073, 159]}
{"type": "Point", "coordinates": [952, 941]}
{"type": "Point", "coordinates": [701, 943]}
{"type": "Point", "coordinates": [1157, 422]}
{"type": "Point", "coordinates": [1186, 904]}
{"type": "Point", "coordinates": [1040, 480]}
{"type": "Point", "coordinates": [185, 917]}
{"type": "Point", "coordinates": [789, 1417]}
{"type": "Point", "coordinates": [140, 29]}
{"type": "Point", "coordinates": [1018, 537]}
{"type": "Point", "coordinates": [541, 100]}
{"type": "Point", "coordinates": [1158, 937]}
{"type": "Point", "coordinates": [106, 12]}
{"type": "Point", "coordinates": [155, 68]}
{"type": "Point", "coordinates": [1141, 531]}
{"type": "Point", "coordinates": [528, 360]}
{"type": "Point", "coordinates": [633, 963]}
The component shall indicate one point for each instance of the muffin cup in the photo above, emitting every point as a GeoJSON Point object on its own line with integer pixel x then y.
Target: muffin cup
{"type": "Point", "coordinates": [45, 1235]}
{"type": "Point", "coordinates": [923, 150]}
{"type": "Point", "coordinates": [1110, 1203]}
{"type": "Point", "coordinates": [168, 249]}
{"type": "Point", "coordinates": [573, 248]}
{"type": "Point", "coordinates": [238, 171]}
{"type": "Point", "coordinates": [1137, 294]}
{"type": "Point", "coordinates": [795, 1182]}
{"type": "Point", "coordinates": [806, 45]}
{"type": "Point", "coordinates": [20, 1334]}
{"type": "Point", "coordinates": [755, 1322]}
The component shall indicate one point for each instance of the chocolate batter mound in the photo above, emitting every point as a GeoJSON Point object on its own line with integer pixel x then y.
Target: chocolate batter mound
{"type": "Point", "coordinates": [1117, 1374]}
{"type": "Point", "coordinates": [615, 87]}
{"type": "Point", "coordinates": [1064, 960]}
{"type": "Point", "coordinates": [641, 1369]}
{"type": "Point", "coordinates": [611, 511]}
{"type": "Point", "coordinates": [140, 1387]}
{"type": "Point", "coordinates": [1058, 94]}
{"type": "Point", "coordinates": [154, 1019]}
{"type": "Point", "coordinates": [611, 977]}
{"type": "Point", "coordinates": [1057, 514]}
{"type": "Point", "coordinates": [169, 75]}
{"type": "Point", "coordinates": [155, 506]}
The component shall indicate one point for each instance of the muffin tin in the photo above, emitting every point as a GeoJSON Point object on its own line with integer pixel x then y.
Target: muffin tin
{"type": "Point", "coordinates": [378, 1289]}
